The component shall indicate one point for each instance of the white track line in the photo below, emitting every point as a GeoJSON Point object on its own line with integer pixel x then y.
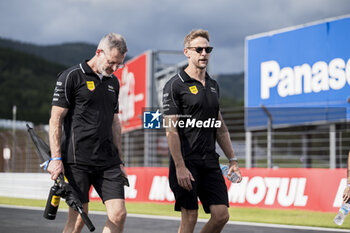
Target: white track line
{"type": "Point", "coordinates": [199, 220]}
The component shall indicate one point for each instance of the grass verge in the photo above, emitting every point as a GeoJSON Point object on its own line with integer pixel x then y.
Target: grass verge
{"type": "Point", "coordinates": [288, 217]}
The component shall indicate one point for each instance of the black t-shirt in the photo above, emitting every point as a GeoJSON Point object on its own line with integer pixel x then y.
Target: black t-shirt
{"type": "Point", "coordinates": [188, 98]}
{"type": "Point", "coordinates": [91, 103]}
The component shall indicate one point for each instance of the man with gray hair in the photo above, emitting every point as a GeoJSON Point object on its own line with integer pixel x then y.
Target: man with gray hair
{"type": "Point", "coordinates": [85, 102]}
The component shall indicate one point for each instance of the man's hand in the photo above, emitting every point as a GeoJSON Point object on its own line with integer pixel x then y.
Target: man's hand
{"type": "Point", "coordinates": [55, 168]}
{"type": "Point", "coordinates": [124, 175]}
{"type": "Point", "coordinates": [122, 168]}
{"type": "Point", "coordinates": [184, 177]}
{"type": "Point", "coordinates": [235, 169]}
{"type": "Point", "coordinates": [346, 194]}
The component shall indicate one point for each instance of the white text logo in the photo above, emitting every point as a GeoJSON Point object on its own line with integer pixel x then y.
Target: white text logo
{"type": "Point", "coordinates": [304, 78]}
{"type": "Point", "coordinates": [288, 191]}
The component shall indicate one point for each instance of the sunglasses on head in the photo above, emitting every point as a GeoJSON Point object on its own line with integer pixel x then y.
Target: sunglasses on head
{"type": "Point", "coordinates": [200, 49]}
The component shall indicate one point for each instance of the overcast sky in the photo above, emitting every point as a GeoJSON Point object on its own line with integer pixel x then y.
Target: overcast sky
{"type": "Point", "coordinates": [161, 24]}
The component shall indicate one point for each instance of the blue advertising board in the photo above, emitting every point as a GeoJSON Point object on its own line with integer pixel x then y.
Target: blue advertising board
{"type": "Point", "coordinates": [301, 70]}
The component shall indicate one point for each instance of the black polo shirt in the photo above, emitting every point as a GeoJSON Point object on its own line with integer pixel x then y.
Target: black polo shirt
{"type": "Point", "coordinates": [91, 103]}
{"type": "Point", "coordinates": [188, 98]}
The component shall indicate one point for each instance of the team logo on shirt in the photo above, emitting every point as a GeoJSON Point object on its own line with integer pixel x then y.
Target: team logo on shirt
{"type": "Point", "coordinates": [111, 88]}
{"type": "Point", "coordinates": [90, 85]}
{"type": "Point", "coordinates": [193, 90]}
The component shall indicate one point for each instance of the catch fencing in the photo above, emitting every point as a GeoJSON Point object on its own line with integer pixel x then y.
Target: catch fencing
{"type": "Point", "coordinates": [306, 146]}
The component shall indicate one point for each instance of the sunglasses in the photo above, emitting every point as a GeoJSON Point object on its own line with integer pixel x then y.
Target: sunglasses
{"type": "Point", "coordinates": [200, 49]}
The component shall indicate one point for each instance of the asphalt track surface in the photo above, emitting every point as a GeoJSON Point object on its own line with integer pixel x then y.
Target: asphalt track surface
{"type": "Point", "coordinates": [30, 220]}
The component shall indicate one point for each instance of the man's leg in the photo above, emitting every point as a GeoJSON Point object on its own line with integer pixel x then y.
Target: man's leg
{"type": "Point", "coordinates": [74, 222]}
{"type": "Point", "coordinates": [188, 220]}
{"type": "Point", "coordinates": [116, 215]}
{"type": "Point", "coordinates": [218, 219]}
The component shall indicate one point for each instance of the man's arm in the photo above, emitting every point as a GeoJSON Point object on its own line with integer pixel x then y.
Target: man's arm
{"type": "Point", "coordinates": [184, 176]}
{"type": "Point", "coordinates": [55, 133]}
{"type": "Point", "coordinates": [117, 134]}
{"type": "Point", "coordinates": [224, 141]}
{"type": "Point", "coordinates": [346, 194]}
{"type": "Point", "coordinates": [117, 139]}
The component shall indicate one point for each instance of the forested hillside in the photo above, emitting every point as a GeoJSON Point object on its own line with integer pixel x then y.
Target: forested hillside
{"type": "Point", "coordinates": [231, 89]}
{"type": "Point", "coordinates": [66, 54]}
{"type": "Point", "coordinates": [26, 81]}
{"type": "Point", "coordinates": [28, 73]}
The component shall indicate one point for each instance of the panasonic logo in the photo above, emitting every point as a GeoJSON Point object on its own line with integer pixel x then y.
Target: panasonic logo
{"type": "Point", "coordinates": [301, 79]}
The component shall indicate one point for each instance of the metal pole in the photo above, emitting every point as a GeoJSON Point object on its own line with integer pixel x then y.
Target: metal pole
{"type": "Point", "coordinates": [304, 149]}
{"type": "Point", "coordinates": [146, 149]}
{"type": "Point", "coordinates": [27, 155]}
{"type": "Point", "coordinates": [154, 103]}
{"type": "Point", "coordinates": [13, 162]}
{"type": "Point", "coordinates": [269, 143]}
{"type": "Point", "coordinates": [149, 102]}
{"type": "Point", "coordinates": [248, 149]}
{"type": "Point", "coordinates": [332, 147]}
{"type": "Point", "coordinates": [340, 150]}
{"type": "Point", "coordinates": [269, 138]}
{"type": "Point", "coordinates": [126, 149]}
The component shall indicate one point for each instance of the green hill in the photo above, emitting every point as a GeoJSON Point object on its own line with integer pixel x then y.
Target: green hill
{"type": "Point", "coordinates": [28, 73]}
{"type": "Point", "coordinates": [26, 81]}
{"type": "Point", "coordinates": [67, 54]}
{"type": "Point", "coordinates": [231, 89]}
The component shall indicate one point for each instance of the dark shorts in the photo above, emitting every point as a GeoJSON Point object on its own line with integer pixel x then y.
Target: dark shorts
{"type": "Point", "coordinates": [209, 185]}
{"type": "Point", "coordinates": [107, 181]}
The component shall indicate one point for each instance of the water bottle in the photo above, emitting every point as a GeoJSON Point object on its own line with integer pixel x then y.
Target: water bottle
{"type": "Point", "coordinates": [52, 203]}
{"type": "Point", "coordinates": [343, 211]}
{"type": "Point", "coordinates": [233, 178]}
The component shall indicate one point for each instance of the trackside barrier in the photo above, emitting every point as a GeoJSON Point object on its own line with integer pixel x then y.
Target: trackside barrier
{"type": "Point", "coordinates": [285, 188]}
{"type": "Point", "coordinates": [314, 189]}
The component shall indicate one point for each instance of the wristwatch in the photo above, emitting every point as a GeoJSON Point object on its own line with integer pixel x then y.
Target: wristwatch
{"type": "Point", "coordinates": [233, 159]}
